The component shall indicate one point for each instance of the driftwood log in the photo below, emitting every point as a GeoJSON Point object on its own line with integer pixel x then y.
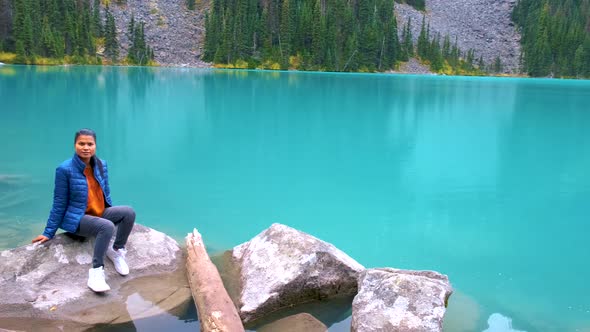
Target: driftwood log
{"type": "Point", "coordinates": [216, 310]}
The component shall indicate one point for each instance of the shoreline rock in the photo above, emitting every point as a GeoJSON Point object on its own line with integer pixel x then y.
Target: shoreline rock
{"type": "Point", "coordinates": [280, 275]}
{"type": "Point", "coordinates": [48, 281]}
{"type": "Point", "coordinates": [283, 267]}
{"type": "Point", "coordinates": [400, 300]}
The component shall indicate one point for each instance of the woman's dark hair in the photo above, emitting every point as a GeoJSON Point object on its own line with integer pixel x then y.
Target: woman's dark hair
{"type": "Point", "coordinates": [94, 160]}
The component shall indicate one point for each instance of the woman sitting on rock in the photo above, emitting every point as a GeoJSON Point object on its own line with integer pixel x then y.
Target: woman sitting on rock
{"type": "Point", "coordinates": [82, 205]}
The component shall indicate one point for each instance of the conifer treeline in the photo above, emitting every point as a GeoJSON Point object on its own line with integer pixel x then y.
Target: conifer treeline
{"type": "Point", "coordinates": [53, 28]}
{"type": "Point", "coordinates": [67, 28]}
{"type": "Point", "coordinates": [332, 35]}
{"type": "Point", "coordinates": [555, 37]}
{"type": "Point", "coordinates": [139, 52]}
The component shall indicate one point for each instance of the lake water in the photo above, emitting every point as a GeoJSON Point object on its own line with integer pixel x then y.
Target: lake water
{"type": "Point", "coordinates": [486, 180]}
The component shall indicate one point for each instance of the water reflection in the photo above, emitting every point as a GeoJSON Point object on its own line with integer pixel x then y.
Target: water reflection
{"type": "Point", "coordinates": [482, 179]}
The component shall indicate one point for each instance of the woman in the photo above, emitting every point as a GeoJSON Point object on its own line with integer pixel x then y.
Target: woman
{"type": "Point", "coordinates": [82, 205]}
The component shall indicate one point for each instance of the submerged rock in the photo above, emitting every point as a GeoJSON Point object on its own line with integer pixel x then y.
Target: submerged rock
{"type": "Point", "coordinates": [283, 267]}
{"type": "Point", "coordinates": [463, 313]}
{"type": "Point", "coordinates": [295, 323]}
{"type": "Point", "coordinates": [48, 281]}
{"type": "Point", "coordinates": [400, 300]}
{"type": "Point", "coordinates": [11, 178]}
{"type": "Point", "coordinates": [499, 323]}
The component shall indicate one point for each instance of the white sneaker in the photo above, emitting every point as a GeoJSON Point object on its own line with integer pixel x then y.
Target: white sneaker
{"type": "Point", "coordinates": [118, 259]}
{"type": "Point", "coordinates": [96, 280]}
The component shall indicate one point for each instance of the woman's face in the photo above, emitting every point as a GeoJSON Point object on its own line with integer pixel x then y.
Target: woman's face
{"type": "Point", "coordinates": [85, 147]}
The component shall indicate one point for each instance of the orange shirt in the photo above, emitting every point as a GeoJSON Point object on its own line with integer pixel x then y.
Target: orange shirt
{"type": "Point", "coordinates": [95, 195]}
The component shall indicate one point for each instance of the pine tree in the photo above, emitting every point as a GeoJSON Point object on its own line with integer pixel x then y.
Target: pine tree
{"type": "Point", "coordinates": [243, 31]}
{"type": "Point", "coordinates": [19, 26]}
{"type": "Point", "coordinates": [498, 65]}
{"type": "Point", "coordinates": [36, 24]}
{"type": "Point", "coordinates": [47, 39]}
{"type": "Point", "coordinates": [480, 64]}
{"type": "Point", "coordinates": [422, 45]}
{"type": "Point", "coordinates": [389, 50]}
{"type": "Point", "coordinates": [86, 35]}
{"type": "Point", "coordinates": [97, 29]}
{"type": "Point", "coordinates": [139, 52]}
{"type": "Point", "coordinates": [111, 42]}
{"type": "Point", "coordinates": [190, 4]}
{"type": "Point", "coordinates": [318, 34]}
{"type": "Point", "coordinates": [446, 49]}
{"type": "Point", "coordinates": [435, 54]}
{"type": "Point", "coordinates": [263, 33]}
{"type": "Point", "coordinates": [408, 39]}
{"type": "Point", "coordinates": [455, 53]}
{"type": "Point", "coordinates": [285, 33]}
{"type": "Point", "coordinates": [552, 32]}
{"type": "Point", "coordinates": [70, 35]}
{"type": "Point", "coordinates": [132, 51]}
{"type": "Point", "coordinates": [23, 29]}
{"type": "Point", "coordinates": [582, 59]}
{"type": "Point", "coordinates": [131, 27]}
{"type": "Point", "coordinates": [212, 31]}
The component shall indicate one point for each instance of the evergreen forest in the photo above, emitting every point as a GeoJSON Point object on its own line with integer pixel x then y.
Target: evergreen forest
{"type": "Point", "coordinates": [323, 35]}
{"type": "Point", "coordinates": [67, 31]}
{"type": "Point", "coordinates": [555, 37]}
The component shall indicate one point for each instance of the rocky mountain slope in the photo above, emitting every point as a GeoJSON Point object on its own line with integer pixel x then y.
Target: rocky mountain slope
{"type": "Point", "coordinates": [482, 25]}
{"type": "Point", "coordinates": [177, 34]}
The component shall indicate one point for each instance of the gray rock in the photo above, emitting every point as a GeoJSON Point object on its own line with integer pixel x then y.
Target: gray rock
{"type": "Point", "coordinates": [283, 267]}
{"type": "Point", "coordinates": [168, 20]}
{"type": "Point", "coordinates": [400, 300]}
{"type": "Point", "coordinates": [412, 66]}
{"type": "Point", "coordinates": [476, 24]}
{"type": "Point", "coordinates": [48, 281]}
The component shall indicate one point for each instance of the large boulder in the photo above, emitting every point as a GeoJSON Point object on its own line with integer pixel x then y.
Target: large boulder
{"type": "Point", "coordinates": [400, 300]}
{"type": "Point", "coordinates": [282, 267]}
{"type": "Point", "coordinates": [48, 281]}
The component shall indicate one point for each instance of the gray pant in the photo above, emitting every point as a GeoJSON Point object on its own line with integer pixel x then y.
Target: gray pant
{"type": "Point", "coordinates": [103, 229]}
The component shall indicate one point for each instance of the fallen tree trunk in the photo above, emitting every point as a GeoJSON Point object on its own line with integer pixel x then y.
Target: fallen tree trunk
{"type": "Point", "coordinates": [216, 310]}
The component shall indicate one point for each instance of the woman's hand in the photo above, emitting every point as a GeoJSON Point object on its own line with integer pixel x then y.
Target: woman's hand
{"type": "Point", "coordinates": [40, 239]}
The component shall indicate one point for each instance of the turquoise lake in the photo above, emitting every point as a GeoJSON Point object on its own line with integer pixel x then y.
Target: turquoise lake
{"type": "Point", "coordinates": [486, 180]}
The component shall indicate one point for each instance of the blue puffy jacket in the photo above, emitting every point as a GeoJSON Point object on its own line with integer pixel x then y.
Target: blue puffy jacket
{"type": "Point", "coordinates": [70, 195]}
